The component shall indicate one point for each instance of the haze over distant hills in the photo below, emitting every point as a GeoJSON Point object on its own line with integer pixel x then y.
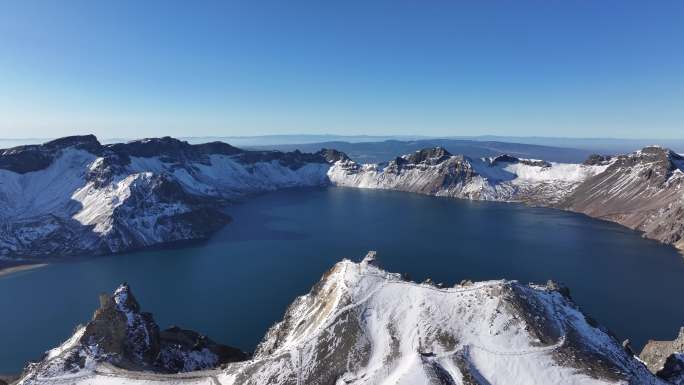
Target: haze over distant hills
{"type": "Point", "coordinates": [358, 148]}
{"type": "Point", "coordinates": [384, 151]}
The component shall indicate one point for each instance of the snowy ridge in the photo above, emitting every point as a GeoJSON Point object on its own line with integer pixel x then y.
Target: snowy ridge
{"type": "Point", "coordinates": [81, 197]}
{"type": "Point", "coordinates": [363, 325]}
{"type": "Point", "coordinates": [502, 178]}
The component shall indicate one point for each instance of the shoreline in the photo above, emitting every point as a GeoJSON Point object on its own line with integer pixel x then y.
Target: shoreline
{"type": "Point", "coordinates": [19, 268]}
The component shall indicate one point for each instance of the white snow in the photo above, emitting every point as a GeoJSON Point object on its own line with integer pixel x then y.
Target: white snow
{"type": "Point", "coordinates": [504, 181]}
{"type": "Point", "coordinates": [410, 328]}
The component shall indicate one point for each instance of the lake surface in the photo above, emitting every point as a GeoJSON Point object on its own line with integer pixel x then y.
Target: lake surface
{"type": "Point", "coordinates": [237, 284]}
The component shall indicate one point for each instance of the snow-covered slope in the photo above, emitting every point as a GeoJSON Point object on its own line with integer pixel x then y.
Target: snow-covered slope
{"type": "Point", "coordinates": [363, 325]}
{"type": "Point", "coordinates": [74, 195]}
{"type": "Point", "coordinates": [642, 190]}
{"type": "Point", "coordinates": [437, 172]}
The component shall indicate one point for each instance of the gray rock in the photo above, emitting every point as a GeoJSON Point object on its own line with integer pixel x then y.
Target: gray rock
{"type": "Point", "coordinates": [655, 353]}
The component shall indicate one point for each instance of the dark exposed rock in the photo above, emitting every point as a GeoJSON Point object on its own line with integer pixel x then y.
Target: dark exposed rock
{"type": "Point", "coordinates": [673, 370]}
{"type": "Point", "coordinates": [120, 334]}
{"type": "Point", "coordinates": [371, 258]}
{"type": "Point", "coordinates": [24, 159]}
{"type": "Point", "coordinates": [596, 159]}
{"type": "Point", "coordinates": [559, 287]}
{"type": "Point", "coordinates": [30, 158]}
{"type": "Point", "coordinates": [176, 342]}
{"type": "Point", "coordinates": [535, 162]}
{"type": "Point", "coordinates": [82, 142]}
{"type": "Point", "coordinates": [433, 156]}
{"type": "Point", "coordinates": [166, 148]}
{"type": "Point", "coordinates": [627, 345]}
{"type": "Point", "coordinates": [332, 156]}
{"type": "Point", "coordinates": [505, 158]}
{"type": "Point", "coordinates": [656, 353]}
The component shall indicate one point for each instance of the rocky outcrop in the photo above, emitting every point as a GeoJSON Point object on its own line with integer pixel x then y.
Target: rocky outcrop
{"type": "Point", "coordinates": [120, 335]}
{"type": "Point", "coordinates": [362, 325]}
{"type": "Point", "coordinates": [666, 358]}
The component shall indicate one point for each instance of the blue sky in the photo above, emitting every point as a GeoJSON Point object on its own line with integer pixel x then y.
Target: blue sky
{"type": "Point", "coordinates": [132, 69]}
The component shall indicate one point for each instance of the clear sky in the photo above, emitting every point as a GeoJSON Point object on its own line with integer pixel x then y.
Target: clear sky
{"type": "Point", "coordinates": [191, 68]}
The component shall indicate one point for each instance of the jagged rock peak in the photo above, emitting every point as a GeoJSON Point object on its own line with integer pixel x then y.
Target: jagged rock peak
{"type": "Point", "coordinates": [656, 153]}
{"type": "Point", "coordinates": [504, 158]}
{"type": "Point", "coordinates": [370, 259]}
{"type": "Point", "coordinates": [597, 160]}
{"type": "Point", "coordinates": [332, 155]}
{"type": "Point", "coordinates": [124, 299]}
{"type": "Point", "coordinates": [433, 155]}
{"type": "Point", "coordinates": [119, 334]}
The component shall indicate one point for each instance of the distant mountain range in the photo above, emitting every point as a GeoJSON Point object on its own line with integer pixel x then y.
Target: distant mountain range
{"type": "Point", "coordinates": [378, 152]}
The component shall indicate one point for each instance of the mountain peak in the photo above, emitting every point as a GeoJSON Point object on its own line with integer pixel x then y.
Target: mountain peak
{"type": "Point", "coordinates": [434, 155]}
{"type": "Point", "coordinates": [124, 299]}
{"type": "Point", "coordinates": [86, 142]}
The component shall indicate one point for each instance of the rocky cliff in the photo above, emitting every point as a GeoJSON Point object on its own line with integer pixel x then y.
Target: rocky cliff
{"type": "Point", "coordinates": [641, 190]}
{"type": "Point", "coordinates": [122, 336]}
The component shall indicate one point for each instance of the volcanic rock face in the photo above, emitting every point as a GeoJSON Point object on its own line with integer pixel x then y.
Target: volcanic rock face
{"type": "Point", "coordinates": [121, 335]}
{"type": "Point", "coordinates": [666, 358]}
{"type": "Point", "coordinates": [642, 191]}
{"type": "Point", "coordinates": [73, 195]}
{"type": "Point", "coordinates": [362, 325]}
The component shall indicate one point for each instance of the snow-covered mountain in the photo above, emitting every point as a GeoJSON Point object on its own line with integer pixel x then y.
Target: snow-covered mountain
{"type": "Point", "coordinates": [641, 190]}
{"type": "Point", "coordinates": [74, 195]}
{"type": "Point", "coordinates": [437, 172]}
{"type": "Point", "coordinates": [362, 325]}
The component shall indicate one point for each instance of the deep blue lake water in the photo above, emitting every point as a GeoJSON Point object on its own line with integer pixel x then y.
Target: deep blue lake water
{"type": "Point", "coordinates": [236, 285]}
